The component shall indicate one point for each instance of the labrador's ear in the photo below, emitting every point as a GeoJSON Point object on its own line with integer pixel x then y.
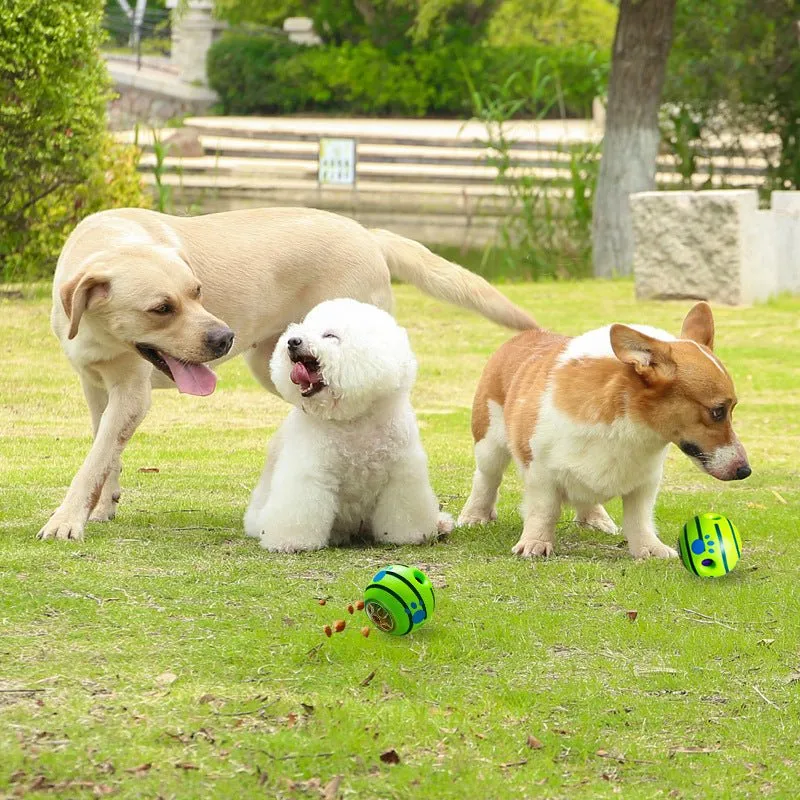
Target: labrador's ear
{"type": "Point", "coordinates": [83, 292]}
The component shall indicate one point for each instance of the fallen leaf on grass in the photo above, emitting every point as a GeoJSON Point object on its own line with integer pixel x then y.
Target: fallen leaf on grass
{"type": "Point", "coordinates": [514, 763]}
{"type": "Point", "coordinates": [631, 615]}
{"type": "Point", "coordinates": [142, 769]}
{"type": "Point", "coordinates": [368, 679]}
{"type": "Point", "coordinates": [206, 698]}
{"type": "Point", "coordinates": [606, 754]}
{"type": "Point", "coordinates": [149, 469]}
{"type": "Point", "coordinates": [534, 743]}
{"type": "Point", "coordinates": [166, 678]}
{"type": "Point", "coordinates": [390, 757]}
{"type": "Point", "coordinates": [185, 765]}
{"type": "Point", "coordinates": [331, 789]}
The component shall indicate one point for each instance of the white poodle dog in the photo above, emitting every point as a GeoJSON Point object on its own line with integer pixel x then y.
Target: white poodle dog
{"type": "Point", "coordinates": [348, 459]}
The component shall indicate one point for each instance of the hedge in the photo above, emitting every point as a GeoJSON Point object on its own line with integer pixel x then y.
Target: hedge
{"type": "Point", "coordinates": [57, 162]}
{"type": "Point", "coordinates": [256, 74]}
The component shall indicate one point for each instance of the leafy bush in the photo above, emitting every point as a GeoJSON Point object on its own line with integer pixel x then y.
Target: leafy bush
{"type": "Point", "coordinates": [57, 163]}
{"type": "Point", "coordinates": [734, 69]}
{"type": "Point", "coordinates": [546, 229]}
{"type": "Point", "coordinates": [267, 75]}
{"type": "Point", "coordinates": [561, 22]}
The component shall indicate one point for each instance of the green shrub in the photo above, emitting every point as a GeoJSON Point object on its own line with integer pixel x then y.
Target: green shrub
{"type": "Point", "coordinates": [57, 163]}
{"type": "Point", "coordinates": [734, 70]}
{"type": "Point", "coordinates": [256, 74]}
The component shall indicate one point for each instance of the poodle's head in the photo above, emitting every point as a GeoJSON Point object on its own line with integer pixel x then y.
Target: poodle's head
{"type": "Point", "coordinates": [342, 359]}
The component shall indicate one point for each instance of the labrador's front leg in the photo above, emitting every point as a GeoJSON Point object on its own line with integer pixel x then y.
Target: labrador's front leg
{"type": "Point", "coordinates": [128, 402]}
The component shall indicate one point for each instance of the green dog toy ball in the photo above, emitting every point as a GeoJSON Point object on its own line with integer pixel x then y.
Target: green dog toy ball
{"type": "Point", "coordinates": [399, 599]}
{"type": "Point", "coordinates": [710, 545]}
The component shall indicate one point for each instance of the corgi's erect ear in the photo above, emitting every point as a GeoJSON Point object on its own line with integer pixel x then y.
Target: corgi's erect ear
{"type": "Point", "coordinates": [651, 358]}
{"type": "Point", "coordinates": [84, 291]}
{"type": "Point", "coordinates": [699, 325]}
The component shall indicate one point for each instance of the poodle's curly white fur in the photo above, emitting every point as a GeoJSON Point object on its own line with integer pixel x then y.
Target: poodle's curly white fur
{"type": "Point", "coordinates": [348, 459]}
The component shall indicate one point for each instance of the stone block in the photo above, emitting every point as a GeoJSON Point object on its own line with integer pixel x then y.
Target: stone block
{"type": "Point", "coordinates": [713, 245]}
{"type": "Point", "coordinates": [786, 213]}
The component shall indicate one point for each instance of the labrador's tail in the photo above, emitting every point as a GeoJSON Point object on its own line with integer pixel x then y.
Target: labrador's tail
{"type": "Point", "coordinates": [413, 263]}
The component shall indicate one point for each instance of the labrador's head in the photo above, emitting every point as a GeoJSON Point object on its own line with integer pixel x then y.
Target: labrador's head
{"type": "Point", "coordinates": [148, 298]}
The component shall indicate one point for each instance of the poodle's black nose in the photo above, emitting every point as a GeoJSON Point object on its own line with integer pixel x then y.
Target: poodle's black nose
{"type": "Point", "coordinates": [294, 343]}
{"type": "Point", "coordinates": [743, 472]}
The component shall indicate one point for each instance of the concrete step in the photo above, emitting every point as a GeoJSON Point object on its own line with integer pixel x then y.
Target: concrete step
{"type": "Point", "coordinates": [457, 175]}
{"type": "Point", "coordinates": [753, 165]}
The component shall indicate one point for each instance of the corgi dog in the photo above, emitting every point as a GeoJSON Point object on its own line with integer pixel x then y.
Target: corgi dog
{"type": "Point", "coordinates": [591, 417]}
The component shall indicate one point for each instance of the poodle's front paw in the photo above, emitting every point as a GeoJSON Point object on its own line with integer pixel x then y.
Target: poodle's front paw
{"type": "Point", "coordinates": [445, 524]}
{"type": "Point", "coordinates": [287, 544]}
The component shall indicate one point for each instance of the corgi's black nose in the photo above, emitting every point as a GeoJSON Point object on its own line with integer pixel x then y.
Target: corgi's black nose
{"type": "Point", "coordinates": [743, 472]}
{"type": "Point", "coordinates": [294, 343]}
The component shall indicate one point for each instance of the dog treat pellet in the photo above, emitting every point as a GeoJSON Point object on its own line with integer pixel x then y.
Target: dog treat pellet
{"type": "Point", "coordinates": [350, 609]}
{"type": "Point", "coordinates": [339, 625]}
{"type": "Point", "coordinates": [327, 631]}
{"type": "Point", "coordinates": [322, 601]}
{"type": "Point", "coordinates": [360, 605]}
{"type": "Point", "coordinates": [365, 631]}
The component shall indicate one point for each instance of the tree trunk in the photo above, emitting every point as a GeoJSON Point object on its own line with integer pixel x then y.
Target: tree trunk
{"type": "Point", "coordinates": [630, 145]}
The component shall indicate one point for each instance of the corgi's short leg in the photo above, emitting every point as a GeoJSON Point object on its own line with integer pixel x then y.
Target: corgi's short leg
{"type": "Point", "coordinates": [638, 525]}
{"type": "Point", "coordinates": [491, 460]}
{"type": "Point", "coordinates": [541, 506]}
{"type": "Point", "coordinates": [595, 517]}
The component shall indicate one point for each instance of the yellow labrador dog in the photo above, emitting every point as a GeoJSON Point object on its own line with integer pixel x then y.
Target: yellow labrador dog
{"type": "Point", "coordinates": [142, 300]}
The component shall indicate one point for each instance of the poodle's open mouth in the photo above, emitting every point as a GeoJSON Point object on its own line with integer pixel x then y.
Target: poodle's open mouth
{"type": "Point", "coordinates": [190, 378]}
{"type": "Point", "coordinates": [306, 374]}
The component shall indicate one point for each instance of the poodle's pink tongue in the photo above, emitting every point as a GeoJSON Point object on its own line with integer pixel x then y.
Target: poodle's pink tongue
{"type": "Point", "coordinates": [302, 377]}
{"type": "Point", "coordinates": [195, 379]}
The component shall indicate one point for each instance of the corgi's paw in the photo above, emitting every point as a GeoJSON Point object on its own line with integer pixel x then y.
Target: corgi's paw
{"type": "Point", "coordinates": [652, 548]}
{"type": "Point", "coordinates": [527, 547]}
{"type": "Point", "coordinates": [596, 517]}
{"type": "Point", "coordinates": [472, 515]}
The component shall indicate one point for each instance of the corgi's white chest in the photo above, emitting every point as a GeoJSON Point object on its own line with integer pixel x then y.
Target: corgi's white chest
{"type": "Point", "coordinates": [593, 462]}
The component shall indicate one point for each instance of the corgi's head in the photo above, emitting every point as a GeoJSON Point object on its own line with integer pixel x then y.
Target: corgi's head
{"type": "Point", "coordinates": [685, 393]}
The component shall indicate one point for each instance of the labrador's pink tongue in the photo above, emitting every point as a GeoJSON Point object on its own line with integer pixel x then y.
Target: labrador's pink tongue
{"type": "Point", "coordinates": [191, 378]}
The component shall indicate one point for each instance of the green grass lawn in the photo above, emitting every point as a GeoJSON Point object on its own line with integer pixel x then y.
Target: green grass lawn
{"type": "Point", "coordinates": [167, 655]}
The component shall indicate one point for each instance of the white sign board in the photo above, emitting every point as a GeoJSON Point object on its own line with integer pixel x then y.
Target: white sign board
{"type": "Point", "coordinates": [337, 162]}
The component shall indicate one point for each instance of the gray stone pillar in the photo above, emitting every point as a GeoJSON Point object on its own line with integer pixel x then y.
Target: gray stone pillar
{"type": "Point", "coordinates": [193, 33]}
{"type": "Point", "coordinates": [714, 245]}
{"type": "Point", "coordinates": [786, 210]}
